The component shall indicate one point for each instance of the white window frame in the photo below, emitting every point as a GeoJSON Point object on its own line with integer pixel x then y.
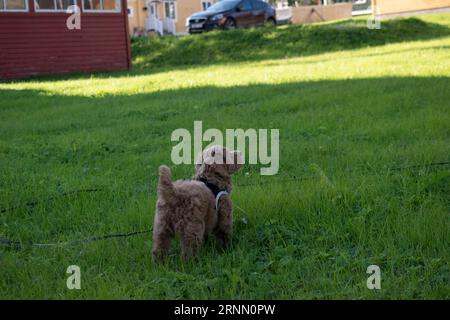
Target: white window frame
{"type": "Point", "coordinates": [74, 2]}
{"type": "Point", "coordinates": [27, 9]}
{"type": "Point", "coordinates": [175, 11]}
{"type": "Point", "coordinates": [118, 10]}
{"type": "Point", "coordinates": [154, 5]}
{"type": "Point", "coordinates": [130, 12]}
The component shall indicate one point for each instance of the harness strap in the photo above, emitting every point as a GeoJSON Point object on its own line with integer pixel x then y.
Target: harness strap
{"type": "Point", "coordinates": [221, 193]}
{"type": "Point", "coordinates": [217, 192]}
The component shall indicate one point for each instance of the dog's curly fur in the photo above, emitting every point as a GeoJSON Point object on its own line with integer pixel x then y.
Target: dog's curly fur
{"type": "Point", "coordinates": [187, 208]}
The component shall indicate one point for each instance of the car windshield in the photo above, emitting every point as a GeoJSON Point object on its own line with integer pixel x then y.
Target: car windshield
{"type": "Point", "coordinates": [223, 5]}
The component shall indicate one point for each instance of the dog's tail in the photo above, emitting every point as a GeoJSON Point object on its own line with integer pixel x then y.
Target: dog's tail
{"type": "Point", "coordinates": [165, 186]}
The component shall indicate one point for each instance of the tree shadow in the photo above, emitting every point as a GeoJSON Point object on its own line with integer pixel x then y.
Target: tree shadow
{"type": "Point", "coordinates": [354, 111]}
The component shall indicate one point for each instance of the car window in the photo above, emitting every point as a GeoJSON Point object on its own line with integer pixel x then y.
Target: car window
{"type": "Point", "coordinates": [245, 5]}
{"type": "Point", "coordinates": [257, 4]}
{"type": "Point", "coordinates": [223, 5]}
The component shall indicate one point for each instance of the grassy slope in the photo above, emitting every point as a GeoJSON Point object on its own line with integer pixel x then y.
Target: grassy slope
{"type": "Point", "coordinates": [345, 117]}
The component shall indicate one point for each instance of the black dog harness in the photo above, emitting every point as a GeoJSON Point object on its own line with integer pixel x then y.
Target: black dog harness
{"type": "Point", "coordinates": [217, 192]}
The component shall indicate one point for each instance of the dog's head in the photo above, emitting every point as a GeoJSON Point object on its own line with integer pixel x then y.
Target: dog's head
{"type": "Point", "coordinates": [219, 162]}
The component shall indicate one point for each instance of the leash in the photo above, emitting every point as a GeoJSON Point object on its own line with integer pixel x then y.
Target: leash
{"type": "Point", "coordinates": [75, 242]}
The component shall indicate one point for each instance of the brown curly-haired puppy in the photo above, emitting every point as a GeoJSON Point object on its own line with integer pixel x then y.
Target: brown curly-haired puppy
{"type": "Point", "coordinates": [188, 208]}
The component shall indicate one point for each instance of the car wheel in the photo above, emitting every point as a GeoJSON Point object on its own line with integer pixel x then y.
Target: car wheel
{"type": "Point", "coordinates": [270, 22]}
{"type": "Point", "coordinates": [230, 24]}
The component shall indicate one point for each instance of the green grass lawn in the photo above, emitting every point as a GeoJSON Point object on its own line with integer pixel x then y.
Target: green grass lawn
{"type": "Point", "coordinates": [360, 112]}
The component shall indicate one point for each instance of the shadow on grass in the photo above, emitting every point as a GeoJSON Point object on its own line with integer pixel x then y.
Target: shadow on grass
{"type": "Point", "coordinates": [356, 111]}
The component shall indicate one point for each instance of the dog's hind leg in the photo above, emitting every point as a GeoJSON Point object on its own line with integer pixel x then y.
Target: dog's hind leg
{"type": "Point", "coordinates": [162, 237]}
{"type": "Point", "coordinates": [161, 245]}
{"type": "Point", "coordinates": [191, 239]}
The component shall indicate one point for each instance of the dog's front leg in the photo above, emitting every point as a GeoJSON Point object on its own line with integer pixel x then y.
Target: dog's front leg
{"type": "Point", "coordinates": [224, 229]}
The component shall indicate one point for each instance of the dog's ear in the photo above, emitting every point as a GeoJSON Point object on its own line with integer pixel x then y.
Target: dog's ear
{"type": "Point", "coordinates": [235, 162]}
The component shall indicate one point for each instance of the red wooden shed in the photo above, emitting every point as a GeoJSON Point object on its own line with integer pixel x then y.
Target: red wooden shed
{"type": "Point", "coordinates": [35, 38]}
